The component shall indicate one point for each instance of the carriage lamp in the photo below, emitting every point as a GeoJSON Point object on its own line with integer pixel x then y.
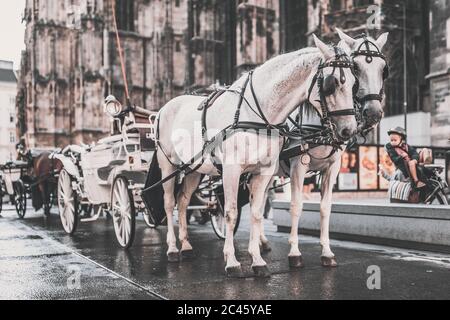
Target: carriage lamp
{"type": "Point", "coordinates": [112, 106]}
{"type": "Point", "coordinates": [131, 160]}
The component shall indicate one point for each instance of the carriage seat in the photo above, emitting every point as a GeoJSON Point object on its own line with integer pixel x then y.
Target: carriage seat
{"type": "Point", "coordinates": [142, 126]}
{"type": "Point", "coordinates": [103, 173]}
{"type": "Point", "coordinates": [110, 140]}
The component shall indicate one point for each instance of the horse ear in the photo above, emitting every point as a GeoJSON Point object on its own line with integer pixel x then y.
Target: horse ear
{"type": "Point", "coordinates": [381, 41]}
{"type": "Point", "coordinates": [344, 46]}
{"type": "Point", "coordinates": [326, 50]}
{"type": "Point", "coordinates": [348, 40]}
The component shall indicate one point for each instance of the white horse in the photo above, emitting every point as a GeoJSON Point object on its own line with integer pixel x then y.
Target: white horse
{"type": "Point", "coordinates": [371, 72]}
{"type": "Point", "coordinates": [279, 86]}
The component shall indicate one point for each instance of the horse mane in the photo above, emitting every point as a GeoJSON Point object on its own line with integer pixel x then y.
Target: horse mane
{"type": "Point", "coordinates": [300, 59]}
{"type": "Point", "coordinates": [306, 57]}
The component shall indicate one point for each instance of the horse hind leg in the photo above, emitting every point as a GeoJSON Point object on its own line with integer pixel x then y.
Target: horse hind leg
{"type": "Point", "coordinates": [190, 184]}
{"type": "Point", "coordinates": [169, 206]}
{"type": "Point", "coordinates": [258, 188]}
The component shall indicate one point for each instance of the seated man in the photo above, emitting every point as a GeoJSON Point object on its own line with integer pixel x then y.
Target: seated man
{"type": "Point", "coordinates": [405, 157]}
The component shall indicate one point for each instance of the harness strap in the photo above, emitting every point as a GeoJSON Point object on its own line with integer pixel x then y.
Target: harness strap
{"type": "Point", "coordinates": [371, 97]}
{"type": "Point", "coordinates": [370, 54]}
{"type": "Point", "coordinates": [241, 100]}
{"type": "Point", "coordinates": [258, 106]}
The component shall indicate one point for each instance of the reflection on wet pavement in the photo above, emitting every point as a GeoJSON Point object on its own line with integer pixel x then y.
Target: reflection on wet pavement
{"type": "Point", "coordinates": [35, 255]}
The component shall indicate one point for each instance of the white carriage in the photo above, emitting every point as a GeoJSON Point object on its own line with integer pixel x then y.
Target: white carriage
{"type": "Point", "coordinates": [109, 175]}
{"type": "Point", "coordinates": [12, 176]}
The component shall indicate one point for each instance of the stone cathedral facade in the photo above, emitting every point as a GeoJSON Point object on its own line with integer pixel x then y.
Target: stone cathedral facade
{"type": "Point", "coordinates": [172, 47]}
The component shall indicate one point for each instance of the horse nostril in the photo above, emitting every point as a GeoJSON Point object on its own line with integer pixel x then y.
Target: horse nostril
{"type": "Point", "coordinates": [365, 112]}
{"type": "Point", "coordinates": [371, 114]}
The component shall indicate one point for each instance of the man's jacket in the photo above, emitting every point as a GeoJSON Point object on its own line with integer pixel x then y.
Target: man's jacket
{"type": "Point", "coordinates": [398, 160]}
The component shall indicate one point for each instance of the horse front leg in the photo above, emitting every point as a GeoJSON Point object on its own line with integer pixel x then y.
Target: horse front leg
{"type": "Point", "coordinates": [298, 172]}
{"type": "Point", "coordinates": [169, 206]}
{"type": "Point", "coordinates": [258, 194]}
{"type": "Point", "coordinates": [328, 182]}
{"type": "Point", "coordinates": [190, 184]}
{"type": "Point", "coordinates": [231, 178]}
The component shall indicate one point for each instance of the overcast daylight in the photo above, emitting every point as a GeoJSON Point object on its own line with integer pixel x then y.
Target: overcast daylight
{"type": "Point", "coordinates": [12, 31]}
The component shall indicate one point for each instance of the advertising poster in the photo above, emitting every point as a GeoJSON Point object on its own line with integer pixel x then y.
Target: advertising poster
{"type": "Point", "coordinates": [368, 168]}
{"type": "Point", "coordinates": [348, 177]}
{"type": "Point", "coordinates": [388, 166]}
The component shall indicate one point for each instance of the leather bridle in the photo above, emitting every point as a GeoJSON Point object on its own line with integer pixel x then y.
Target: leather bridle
{"type": "Point", "coordinates": [370, 55]}
{"type": "Point", "coordinates": [341, 62]}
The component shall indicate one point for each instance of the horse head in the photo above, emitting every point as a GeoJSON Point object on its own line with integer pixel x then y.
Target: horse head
{"type": "Point", "coordinates": [334, 97]}
{"type": "Point", "coordinates": [372, 70]}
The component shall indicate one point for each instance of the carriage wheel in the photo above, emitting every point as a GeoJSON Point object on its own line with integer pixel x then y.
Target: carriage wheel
{"type": "Point", "coordinates": [218, 221]}
{"type": "Point", "coordinates": [123, 212]}
{"type": "Point", "coordinates": [67, 203]}
{"type": "Point", "coordinates": [20, 199]}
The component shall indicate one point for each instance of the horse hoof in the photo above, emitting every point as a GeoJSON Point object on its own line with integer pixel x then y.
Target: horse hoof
{"type": "Point", "coordinates": [187, 255]}
{"type": "Point", "coordinates": [234, 272]}
{"type": "Point", "coordinates": [173, 257]}
{"type": "Point", "coordinates": [296, 262]}
{"type": "Point", "coordinates": [265, 247]}
{"type": "Point", "coordinates": [329, 262]}
{"type": "Point", "coordinates": [261, 272]}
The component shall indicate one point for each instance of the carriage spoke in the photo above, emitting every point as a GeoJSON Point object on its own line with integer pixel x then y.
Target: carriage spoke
{"type": "Point", "coordinates": [122, 229]}
{"type": "Point", "coordinates": [125, 234]}
{"type": "Point", "coordinates": [222, 224]}
{"type": "Point", "coordinates": [66, 217]}
{"type": "Point", "coordinates": [117, 196]}
{"type": "Point", "coordinates": [66, 199]}
{"type": "Point", "coordinates": [122, 209]}
{"type": "Point", "coordinates": [69, 218]}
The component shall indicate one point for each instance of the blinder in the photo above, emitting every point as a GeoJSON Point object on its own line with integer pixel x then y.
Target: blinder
{"type": "Point", "coordinates": [330, 84]}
